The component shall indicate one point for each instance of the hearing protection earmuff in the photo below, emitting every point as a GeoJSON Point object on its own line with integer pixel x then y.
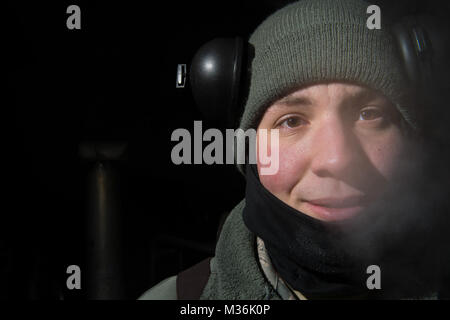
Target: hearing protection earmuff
{"type": "Point", "coordinates": [217, 78]}
{"type": "Point", "coordinates": [424, 52]}
{"type": "Point", "coordinates": [219, 71]}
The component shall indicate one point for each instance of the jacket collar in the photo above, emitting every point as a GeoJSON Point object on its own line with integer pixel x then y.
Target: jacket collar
{"type": "Point", "coordinates": [235, 272]}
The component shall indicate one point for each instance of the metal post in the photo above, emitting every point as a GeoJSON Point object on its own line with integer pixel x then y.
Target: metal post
{"type": "Point", "coordinates": [103, 226]}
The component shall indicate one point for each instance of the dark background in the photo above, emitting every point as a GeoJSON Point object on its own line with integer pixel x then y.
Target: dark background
{"type": "Point", "coordinates": [113, 80]}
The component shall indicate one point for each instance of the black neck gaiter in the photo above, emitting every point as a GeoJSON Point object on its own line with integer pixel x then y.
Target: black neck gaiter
{"type": "Point", "coordinates": [309, 254]}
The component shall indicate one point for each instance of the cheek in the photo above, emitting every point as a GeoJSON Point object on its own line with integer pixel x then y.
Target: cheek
{"type": "Point", "coordinates": [386, 153]}
{"type": "Point", "coordinates": [292, 166]}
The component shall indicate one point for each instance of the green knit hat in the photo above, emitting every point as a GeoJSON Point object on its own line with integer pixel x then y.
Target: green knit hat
{"type": "Point", "coordinates": [313, 41]}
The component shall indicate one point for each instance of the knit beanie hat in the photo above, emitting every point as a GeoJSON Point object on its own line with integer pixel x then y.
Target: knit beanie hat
{"type": "Point", "coordinates": [313, 41]}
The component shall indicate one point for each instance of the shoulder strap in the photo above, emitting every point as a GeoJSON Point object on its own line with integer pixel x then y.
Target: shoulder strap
{"type": "Point", "coordinates": [191, 282]}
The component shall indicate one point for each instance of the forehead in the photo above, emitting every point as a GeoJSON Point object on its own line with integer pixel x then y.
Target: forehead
{"type": "Point", "coordinates": [325, 92]}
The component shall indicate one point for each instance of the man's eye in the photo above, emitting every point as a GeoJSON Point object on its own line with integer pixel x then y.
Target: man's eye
{"type": "Point", "coordinates": [292, 122]}
{"type": "Point", "coordinates": [370, 114]}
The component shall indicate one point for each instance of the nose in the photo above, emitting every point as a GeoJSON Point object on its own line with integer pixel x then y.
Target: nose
{"type": "Point", "coordinates": [336, 150]}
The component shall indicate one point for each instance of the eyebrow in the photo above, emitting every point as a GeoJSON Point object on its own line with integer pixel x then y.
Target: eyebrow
{"type": "Point", "coordinates": [290, 101]}
{"type": "Point", "coordinates": [364, 95]}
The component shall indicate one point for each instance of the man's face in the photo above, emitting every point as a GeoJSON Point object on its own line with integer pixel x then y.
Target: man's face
{"type": "Point", "coordinates": [339, 147]}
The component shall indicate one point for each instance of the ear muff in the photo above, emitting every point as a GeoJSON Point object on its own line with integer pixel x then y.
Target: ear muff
{"type": "Point", "coordinates": [216, 75]}
{"type": "Point", "coordinates": [416, 49]}
{"type": "Point", "coordinates": [423, 47]}
{"type": "Point", "coordinates": [413, 45]}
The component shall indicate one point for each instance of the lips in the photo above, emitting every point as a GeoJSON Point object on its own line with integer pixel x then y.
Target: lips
{"type": "Point", "coordinates": [332, 209]}
{"type": "Point", "coordinates": [343, 202]}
